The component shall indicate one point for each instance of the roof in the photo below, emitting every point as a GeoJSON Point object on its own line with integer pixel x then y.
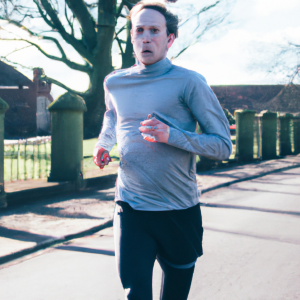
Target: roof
{"type": "Point", "coordinates": [9, 76]}
{"type": "Point", "coordinates": [283, 98]}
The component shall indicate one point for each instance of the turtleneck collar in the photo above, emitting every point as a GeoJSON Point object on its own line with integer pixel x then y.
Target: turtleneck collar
{"type": "Point", "coordinates": [159, 68]}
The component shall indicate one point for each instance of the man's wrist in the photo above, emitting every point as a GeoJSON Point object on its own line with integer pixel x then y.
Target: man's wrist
{"type": "Point", "coordinates": [97, 149]}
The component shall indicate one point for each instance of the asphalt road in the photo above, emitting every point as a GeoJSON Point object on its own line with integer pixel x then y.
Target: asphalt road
{"type": "Point", "coordinates": [251, 251]}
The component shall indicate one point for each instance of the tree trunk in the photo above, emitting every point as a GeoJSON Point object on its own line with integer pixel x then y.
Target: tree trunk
{"type": "Point", "coordinates": [101, 68]}
{"type": "Point", "coordinates": [128, 58]}
{"type": "Point", "coordinates": [95, 100]}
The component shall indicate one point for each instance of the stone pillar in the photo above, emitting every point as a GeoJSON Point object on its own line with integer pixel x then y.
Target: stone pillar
{"type": "Point", "coordinates": [284, 129]}
{"type": "Point", "coordinates": [67, 137]}
{"type": "Point", "coordinates": [3, 108]}
{"type": "Point", "coordinates": [296, 122]}
{"type": "Point", "coordinates": [244, 120]}
{"type": "Point", "coordinates": [268, 134]}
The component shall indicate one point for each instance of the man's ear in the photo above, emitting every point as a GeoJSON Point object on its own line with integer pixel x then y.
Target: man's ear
{"type": "Point", "coordinates": [171, 39]}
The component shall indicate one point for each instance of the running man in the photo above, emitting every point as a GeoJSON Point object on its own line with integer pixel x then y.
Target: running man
{"type": "Point", "coordinates": [152, 112]}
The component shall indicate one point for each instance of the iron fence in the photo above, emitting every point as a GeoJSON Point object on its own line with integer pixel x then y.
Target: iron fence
{"type": "Point", "coordinates": [27, 158]}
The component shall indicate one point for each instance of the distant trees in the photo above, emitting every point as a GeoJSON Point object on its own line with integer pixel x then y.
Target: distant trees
{"type": "Point", "coordinates": [287, 62]}
{"type": "Point", "coordinates": [90, 28]}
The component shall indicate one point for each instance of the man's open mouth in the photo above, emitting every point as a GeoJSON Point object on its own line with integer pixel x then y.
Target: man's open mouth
{"type": "Point", "coordinates": [147, 51]}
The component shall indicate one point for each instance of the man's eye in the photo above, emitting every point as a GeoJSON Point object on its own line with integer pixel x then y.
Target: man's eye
{"type": "Point", "coordinates": [139, 30]}
{"type": "Point", "coordinates": [154, 30]}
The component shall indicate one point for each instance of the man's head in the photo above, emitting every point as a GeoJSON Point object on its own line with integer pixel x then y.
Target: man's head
{"type": "Point", "coordinates": [153, 31]}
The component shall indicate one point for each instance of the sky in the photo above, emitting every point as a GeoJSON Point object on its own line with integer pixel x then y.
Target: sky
{"type": "Point", "coordinates": [240, 51]}
{"type": "Point", "coordinates": [245, 50]}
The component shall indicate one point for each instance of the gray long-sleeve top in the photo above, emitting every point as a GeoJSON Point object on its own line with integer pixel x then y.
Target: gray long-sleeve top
{"type": "Point", "coordinates": [159, 176]}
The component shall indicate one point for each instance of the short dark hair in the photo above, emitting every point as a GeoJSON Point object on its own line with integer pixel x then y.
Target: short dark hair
{"type": "Point", "coordinates": [171, 19]}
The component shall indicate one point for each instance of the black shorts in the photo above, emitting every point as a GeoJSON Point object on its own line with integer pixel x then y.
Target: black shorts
{"type": "Point", "coordinates": [176, 233]}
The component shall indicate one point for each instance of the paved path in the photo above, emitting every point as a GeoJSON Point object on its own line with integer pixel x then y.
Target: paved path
{"type": "Point", "coordinates": [251, 252]}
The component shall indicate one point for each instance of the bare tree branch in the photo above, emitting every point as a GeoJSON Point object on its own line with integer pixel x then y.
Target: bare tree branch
{"type": "Point", "coordinates": [16, 50]}
{"type": "Point", "coordinates": [204, 9]}
{"type": "Point", "coordinates": [119, 31]}
{"type": "Point", "coordinates": [51, 80]}
{"type": "Point", "coordinates": [294, 45]}
{"type": "Point", "coordinates": [70, 39]}
{"type": "Point", "coordinates": [91, 5]}
{"type": "Point", "coordinates": [119, 10]}
{"type": "Point", "coordinates": [44, 16]}
{"type": "Point", "coordinates": [42, 37]}
{"type": "Point", "coordinates": [283, 62]}
{"type": "Point", "coordinates": [86, 21]}
{"type": "Point", "coordinates": [64, 59]}
{"type": "Point", "coordinates": [208, 26]}
{"type": "Point", "coordinates": [119, 44]}
{"type": "Point", "coordinates": [69, 22]}
{"type": "Point", "coordinates": [31, 33]}
{"type": "Point", "coordinates": [193, 43]}
{"type": "Point", "coordinates": [294, 74]}
{"type": "Point", "coordinates": [15, 63]}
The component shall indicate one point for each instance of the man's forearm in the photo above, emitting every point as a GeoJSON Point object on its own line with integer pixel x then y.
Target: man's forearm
{"type": "Point", "coordinates": [209, 145]}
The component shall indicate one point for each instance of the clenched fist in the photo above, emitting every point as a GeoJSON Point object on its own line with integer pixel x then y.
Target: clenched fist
{"type": "Point", "coordinates": [101, 157]}
{"type": "Point", "coordinates": [154, 131]}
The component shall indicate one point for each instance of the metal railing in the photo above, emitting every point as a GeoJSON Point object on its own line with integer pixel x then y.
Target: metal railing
{"type": "Point", "coordinates": [27, 158]}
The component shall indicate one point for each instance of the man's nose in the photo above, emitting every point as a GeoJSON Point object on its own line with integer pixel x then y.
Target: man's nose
{"type": "Point", "coordinates": [146, 37]}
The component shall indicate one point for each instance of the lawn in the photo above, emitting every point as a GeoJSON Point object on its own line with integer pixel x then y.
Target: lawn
{"type": "Point", "coordinates": [36, 165]}
{"type": "Point", "coordinates": [15, 167]}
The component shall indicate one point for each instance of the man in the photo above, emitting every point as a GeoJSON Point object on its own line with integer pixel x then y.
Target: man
{"type": "Point", "coordinates": [152, 112]}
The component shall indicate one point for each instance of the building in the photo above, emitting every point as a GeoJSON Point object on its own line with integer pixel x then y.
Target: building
{"type": "Point", "coordinates": [27, 115]}
{"type": "Point", "coordinates": [283, 98]}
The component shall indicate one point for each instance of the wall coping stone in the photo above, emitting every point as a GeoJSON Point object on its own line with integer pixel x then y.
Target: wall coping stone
{"type": "Point", "coordinates": [68, 102]}
{"type": "Point", "coordinates": [281, 115]}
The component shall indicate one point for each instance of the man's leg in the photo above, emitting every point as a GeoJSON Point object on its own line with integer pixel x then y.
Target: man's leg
{"type": "Point", "coordinates": [135, 253]}
{"type": "Point", "coordinates": [176, 280]}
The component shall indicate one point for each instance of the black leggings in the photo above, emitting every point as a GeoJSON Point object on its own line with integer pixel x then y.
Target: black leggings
{"type": "Point", "coordinates": [174, 238]}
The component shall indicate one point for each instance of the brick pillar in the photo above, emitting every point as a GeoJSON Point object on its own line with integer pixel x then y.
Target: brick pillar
{"type": "Point", "coordinates": [296, 122]}
{"type": "Point", "coordinates": [284, 129]}
{"type": "Point", "coordinates": [67, 137]}
{"type": "Point", "coordinates": [244, 120]}
{"type": "Point", "coordinates": [3, 108]}
{"type": "Point", "coordinates": [268, 134]}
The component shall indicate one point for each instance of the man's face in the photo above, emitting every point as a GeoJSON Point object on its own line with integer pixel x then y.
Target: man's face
{"type": "Point", "coordinates": [149, 36]}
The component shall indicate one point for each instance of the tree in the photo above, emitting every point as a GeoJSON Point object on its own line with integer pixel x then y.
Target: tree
{"type": "Point", "coordinates": [91, 28]}
{"type": "Point", "coordinates": [287, 62]}
{"type": "Point", "coordinates": [281, 60]}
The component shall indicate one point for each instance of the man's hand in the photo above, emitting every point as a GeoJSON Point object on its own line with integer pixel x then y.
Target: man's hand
{"type": "Point", "coordinates": [154, 131]}
{"type": "Point", "coordinates": [101, 157]}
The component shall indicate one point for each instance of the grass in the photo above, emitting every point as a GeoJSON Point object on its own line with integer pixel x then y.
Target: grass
{"type": "Point", "coordinates": [40, 167]}
{"type": "Point", "coordinates": [16, 167]}
{"type": "Point", "coordinates": [88, 148]}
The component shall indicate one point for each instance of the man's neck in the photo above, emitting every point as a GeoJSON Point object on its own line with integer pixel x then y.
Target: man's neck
{"type": "Point", "coordinates": [138, 62]}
